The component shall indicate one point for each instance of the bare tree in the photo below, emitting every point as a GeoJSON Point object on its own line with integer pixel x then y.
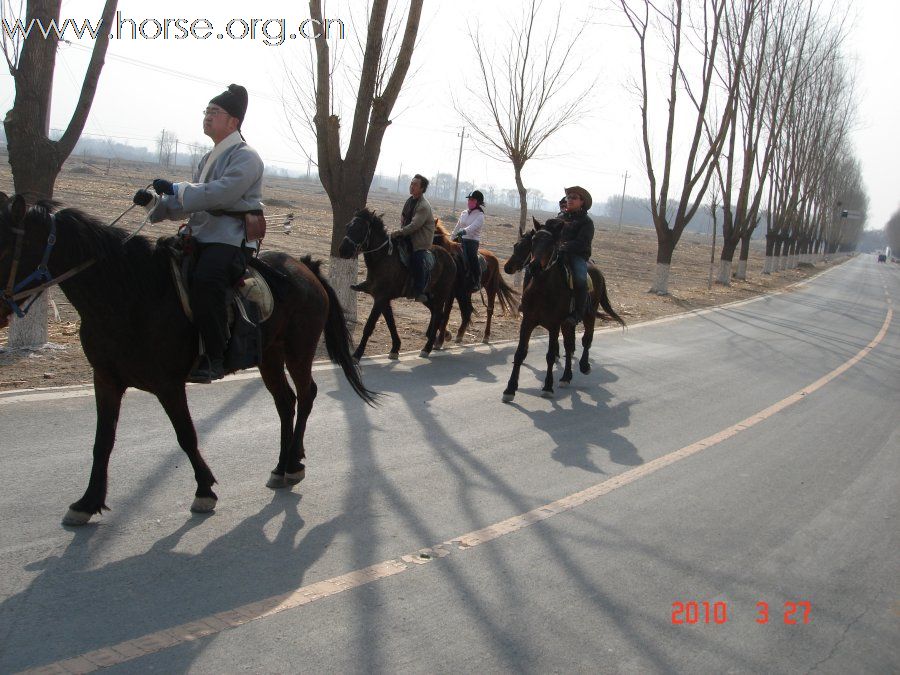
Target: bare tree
{"type": "Point", "coordinates": [165, 145]}
{"type": "Point", "coordinates": [674, 26]}
{"type": "Point", "coordinates": [381, 71]}
{"type": "Point", "coordinates": [519, 92]}
{"type": "Point", "coordinates": [34, 159]}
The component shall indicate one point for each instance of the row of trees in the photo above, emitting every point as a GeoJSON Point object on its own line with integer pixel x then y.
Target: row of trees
{"type": "Point", "coordinates": [768, 110]}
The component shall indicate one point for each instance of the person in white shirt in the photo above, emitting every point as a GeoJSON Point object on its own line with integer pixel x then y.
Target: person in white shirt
{"type": "Point", "coordinates": [469, 227]}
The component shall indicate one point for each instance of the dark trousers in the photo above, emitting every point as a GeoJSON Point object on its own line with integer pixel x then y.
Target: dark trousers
{"type": "Point", "coordinates": [470, 256]}
{"type": "Point", "coordinates": [219, 266]}
{"type": "Point", "coordinates": [418, 270]}
{"type": "Point", "coordinates": [578, 265]}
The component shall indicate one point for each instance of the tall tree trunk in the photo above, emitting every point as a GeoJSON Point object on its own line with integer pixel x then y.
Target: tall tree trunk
{"type": "Point", "coordinates": [35, 160]}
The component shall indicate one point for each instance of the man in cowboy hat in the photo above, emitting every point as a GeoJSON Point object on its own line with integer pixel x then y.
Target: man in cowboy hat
{"type": "Point", "coordinates": [227, 185]}
{"type": "Point", "coordinates": [575, 244]}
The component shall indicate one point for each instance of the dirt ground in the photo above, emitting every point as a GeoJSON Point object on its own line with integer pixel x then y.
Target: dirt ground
{"type": "Point", "coordinates": [627, 258]}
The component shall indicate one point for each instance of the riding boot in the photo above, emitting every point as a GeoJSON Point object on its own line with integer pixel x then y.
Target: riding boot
{"type": "Point", "coordinates": [578, 305]}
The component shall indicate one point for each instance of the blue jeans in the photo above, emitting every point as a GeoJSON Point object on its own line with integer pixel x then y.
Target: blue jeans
{"type": "Point", "coordinates": [418, 270]}
{"type": "Point", "coordinates": [579, 268]}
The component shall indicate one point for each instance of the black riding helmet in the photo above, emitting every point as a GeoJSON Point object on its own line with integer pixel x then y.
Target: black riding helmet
{"type": "Point", "coordinates": [477, 196]}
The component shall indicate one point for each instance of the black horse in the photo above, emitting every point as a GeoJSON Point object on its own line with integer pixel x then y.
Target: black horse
{"type": "Point", "coordinates": [545, 302]}
{"type": "Point", "coordinates": [388, 278]}
{"type": "Point", "coordinates": [135, 334]}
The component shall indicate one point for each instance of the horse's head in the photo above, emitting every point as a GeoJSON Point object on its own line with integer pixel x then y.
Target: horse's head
{"type": "Point", "coordinates": [521, 252]}
{"type": "Point", "coordinates": [21, 245]}
{"type": "Point", "coordinates": [365, 232]}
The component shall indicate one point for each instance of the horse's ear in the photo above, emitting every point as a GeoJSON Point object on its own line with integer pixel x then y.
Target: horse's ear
{"type": "Point", "coordinates": [537, 223]}
{"type": "Point", "coordinates": [18, 209]}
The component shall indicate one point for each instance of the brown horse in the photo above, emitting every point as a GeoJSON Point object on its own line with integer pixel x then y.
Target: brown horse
{"type": "Point", "coordinates": [135, 333]}
{"type": "Point", "coordinates": [388, 278]}
{"type": "Point", "coordinates": [492, 282]}
{"type": "Point", "coordinates": [545, 302]}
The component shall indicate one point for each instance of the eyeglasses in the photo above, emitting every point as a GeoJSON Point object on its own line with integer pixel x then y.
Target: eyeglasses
{"type": "Point", "coordinates": [212, 112]}
{"type": "Point", "coordinates": [570, 198]}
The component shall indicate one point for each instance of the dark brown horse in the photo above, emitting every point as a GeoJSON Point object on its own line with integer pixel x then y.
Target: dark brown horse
{"type": "Point", "coordinates": [388, 278]}
{"type": "Point", "coordinates": [545, 302]}
{"type": "Point", "coordinates": [135, 334]}
{"type": "Point", "coordinates": [492, 283]}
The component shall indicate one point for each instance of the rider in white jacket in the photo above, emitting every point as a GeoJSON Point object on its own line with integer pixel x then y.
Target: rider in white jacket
{"type": "Point", "coordinates": [469, 227]}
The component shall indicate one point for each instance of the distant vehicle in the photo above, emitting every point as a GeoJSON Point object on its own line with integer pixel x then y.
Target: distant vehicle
{"type": "Point", "coordinates": [882, 257]}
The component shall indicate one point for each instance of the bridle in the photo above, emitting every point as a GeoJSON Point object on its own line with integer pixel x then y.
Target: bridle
{"type": "Point", "coordinates": [359, 246]}
{"type": "Point", "coordinates": [16, 292]}
{"type": "Point", "coordinates": [554, 257]}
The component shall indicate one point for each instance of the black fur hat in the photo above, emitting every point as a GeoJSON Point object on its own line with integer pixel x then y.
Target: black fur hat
{"type": "Point", "coordinates": [233, 101]}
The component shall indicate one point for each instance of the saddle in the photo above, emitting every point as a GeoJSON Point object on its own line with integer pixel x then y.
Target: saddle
{"type": "Point", "coordinates": [252, 303]}
{"type": "Point", "coordinates": [570, 283]}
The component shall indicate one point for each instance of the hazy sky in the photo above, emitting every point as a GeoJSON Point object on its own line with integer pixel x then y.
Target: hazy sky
{"type": "Point", "coordinates": [151, 84]}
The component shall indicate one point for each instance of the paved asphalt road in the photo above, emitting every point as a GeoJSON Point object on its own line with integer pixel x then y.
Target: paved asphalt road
{"type": "Point", "coordinates": [796, 505]}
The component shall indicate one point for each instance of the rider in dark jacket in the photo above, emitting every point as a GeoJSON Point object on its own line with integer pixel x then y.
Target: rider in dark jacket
{"type": "Point", "coordinates": [575, 244]}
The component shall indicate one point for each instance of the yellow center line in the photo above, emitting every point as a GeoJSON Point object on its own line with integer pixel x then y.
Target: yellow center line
{"type": "Point", "coordinates": [217, 623]}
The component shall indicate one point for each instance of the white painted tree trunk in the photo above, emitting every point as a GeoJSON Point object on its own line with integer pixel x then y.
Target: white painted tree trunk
{"type": "Point", "coordinates": [342, 273]}
{"type": "Point", "coordinates": [661, 284]}
{"type": "Point", "coordinates": [782, 263]}
{"type": "Point", "coordinates": [724, 273]}
{"type": "Point", "coordinates": [768, 265]}
{"type": "Point", "coordinates": [32, 331]}
{"type": "Point", "coordinates": [742, 270]}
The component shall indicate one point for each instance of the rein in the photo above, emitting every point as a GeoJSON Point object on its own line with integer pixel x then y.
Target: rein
{"type": "Point", "coordinates": [359, 245]}
{"type": "Point", "coordinates": [15, 292]}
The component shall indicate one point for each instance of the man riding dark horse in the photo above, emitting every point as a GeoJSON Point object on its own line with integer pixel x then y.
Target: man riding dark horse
{"type": "Point", "coordinates": [417, 224]}
{"type": "Point", "coordinates": [575, 246]}
{"type": "Point", "coordinates": [226, 186]}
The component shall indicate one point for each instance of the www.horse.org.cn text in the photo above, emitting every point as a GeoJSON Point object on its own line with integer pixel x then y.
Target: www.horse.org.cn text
{"type": "Point", "coordinates": [271, 32]}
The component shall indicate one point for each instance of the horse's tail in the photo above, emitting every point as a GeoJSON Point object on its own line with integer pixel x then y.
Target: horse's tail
{"type": "Point", "coordinates": [507, 295]}
{"type": "Point", "coordinates": [604, 301]}
{"type": "Point", "coordinates": [337, 338]}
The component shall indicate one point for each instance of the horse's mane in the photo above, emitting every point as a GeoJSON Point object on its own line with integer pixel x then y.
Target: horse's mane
{"type": "Point", "coordinates": [441, 231]}
{"type": "Point", "coordinates": [131, 267]}
{"type": "Point", "coordinates": [374, 218]}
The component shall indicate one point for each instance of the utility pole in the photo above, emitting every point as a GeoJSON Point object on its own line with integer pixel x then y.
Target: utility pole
{"type": "Point", "coordinates": [399, 176]}
{"type": "Point", "coordinates": [462, 137]}
{"type": "Point", "coordinates": [308, 166]}
{"type": "Point", "coordinates": [622, 201]}
{"type": "Point", "coordinates": [176, 151]}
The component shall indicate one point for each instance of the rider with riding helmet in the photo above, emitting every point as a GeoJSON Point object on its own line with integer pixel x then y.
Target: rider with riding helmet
{"type": "Point", "coordinates": [469, 227]}
{"type": "Point", "coordinates": [226, 186]}
{"type": "Point", "coordinates": [575, 245]}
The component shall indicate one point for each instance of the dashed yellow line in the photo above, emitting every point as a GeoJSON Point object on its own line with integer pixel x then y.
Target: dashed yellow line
{"type": "Point", "coordinates": [217, 623]}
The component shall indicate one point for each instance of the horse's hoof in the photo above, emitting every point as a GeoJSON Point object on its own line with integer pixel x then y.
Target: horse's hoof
{"type": "Point", "coordinates": [457, 340]}
{"type": "Point", "coordinates": [75, 518]}
{"type": "Point", "coordinates": [547, 394]}
{"type": "Point", "coordinates": [424, 354]}
{"type": "Point", "coordinates": [585, 369]}
{"type": "Point", "coordinates": [508, 397]}
{"type": "Point", "coordinates": [203, 505]}
{"type": "Point", "coordinates": [486, 341]}
{"type": "Point", "coordinates": [393, 356]}
{"type": "Point", "coordinates": [294, 478]}
{"type": "Point", "coordinates": [276, 481]}
{"type": "Point", "coordinates": [563, 383]}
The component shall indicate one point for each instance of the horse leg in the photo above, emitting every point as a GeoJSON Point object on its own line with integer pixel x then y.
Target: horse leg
{"type": "Point", "coordinates": [271, 368]}
{"type": "Point", "coordinates": [521, 352]}
{"type": "Point", "coordinates": [174, 402]}
{"type": "Point", "coordinates": [491, 295]}
{"type": "Point", "coordinates": [442, 328]}
{"type": "Point", "coordinates": [584, 365]}
{"type": "Point", "coordinates": [568, 336]}
{"type": "Point", "coordinates": [300, 368]}
{"type": "Point", "coordinates": [108, 399]}
{"type": "Point", "coordinates": [392, 328]}
{"type": "Point", "coordinates": [431, 332]}
{"type": "Point", "coordinates": [377, 309]}
{"type": "Point", "coordinates": [552, 351]}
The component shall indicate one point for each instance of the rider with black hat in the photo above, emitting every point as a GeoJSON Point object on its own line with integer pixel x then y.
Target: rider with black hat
{"type": "Point", "coordinates": [575, 244]}
{"type": "Point", "coordinates": [226, 185]}
{"type": "Point", "coordinates": [469, 227]}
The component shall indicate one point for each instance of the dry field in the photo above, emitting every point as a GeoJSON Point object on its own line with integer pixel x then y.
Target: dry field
{"type": "Point", "coordinates": [104, 188]}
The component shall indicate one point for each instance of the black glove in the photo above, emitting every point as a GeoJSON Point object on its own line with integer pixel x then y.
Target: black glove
{"type": "Point", "coordinates": [163, 186]}
{"type": "Point", "coordinates": [142, 197]}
